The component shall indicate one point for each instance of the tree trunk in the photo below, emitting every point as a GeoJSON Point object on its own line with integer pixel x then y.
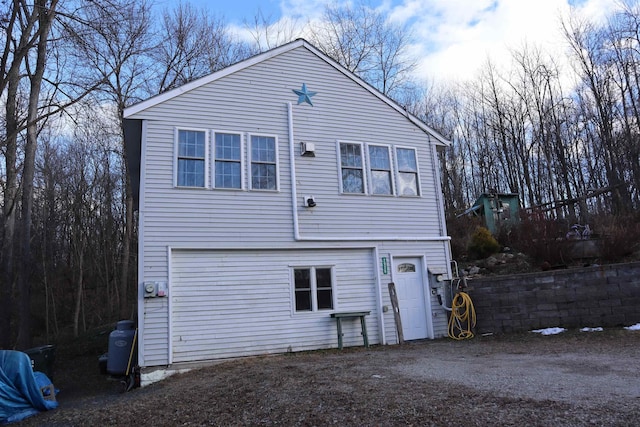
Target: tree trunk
{"type": "Point", "coordinates": [45, 17]}
{"type": "Point", "coordinates": [79, 286]}
{"type": "Point", "coordinates": [9, 213]}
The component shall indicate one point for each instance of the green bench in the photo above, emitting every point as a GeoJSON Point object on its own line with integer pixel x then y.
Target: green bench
{"type": "Point", "coordinates": [351, 315]}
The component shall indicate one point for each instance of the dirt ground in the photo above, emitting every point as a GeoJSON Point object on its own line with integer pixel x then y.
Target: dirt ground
{"type": "Point", "coordinates": [572, 379]}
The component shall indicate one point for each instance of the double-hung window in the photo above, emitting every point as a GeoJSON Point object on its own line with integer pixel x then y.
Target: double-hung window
{"type": "Point", "coordinates": [191, 153]}
{"type": "Point", "coordinates": [352, 168]}
{"type": "Point", "coordinates": [264, 163]}
{"type": "Point", "coordinates": [313, 288]}
{"type": "Point", "coordinates": [407, 172]}
{"type": "Point", "coordinates": [228, 160]}
{"type": "Point", "coordinates": [380, 169]}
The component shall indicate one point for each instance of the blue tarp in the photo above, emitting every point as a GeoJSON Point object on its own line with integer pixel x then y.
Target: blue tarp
{"type": "Point", "coordinates": [21, 389]}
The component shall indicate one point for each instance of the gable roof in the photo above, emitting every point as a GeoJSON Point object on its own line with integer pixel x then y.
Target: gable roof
{"type": "Point", "coordinates": [158, 99]}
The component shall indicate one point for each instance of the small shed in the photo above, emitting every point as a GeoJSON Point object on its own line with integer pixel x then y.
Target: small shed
{"type": "Point", "coordinates": [498, 209]}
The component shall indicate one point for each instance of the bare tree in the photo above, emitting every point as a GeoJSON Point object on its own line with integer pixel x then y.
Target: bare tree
{"type": "Point", "coordinates": [268, 34]}
{"type": "Point", "coordinates": [589, 47]}
{"type": "Point", "coordinates": [192, 43]}
{"type": "Point", "coordinates": [365, 43]}
{"type": "Point", "coordinates": [26, 48]}
{"type": "Point", "coordinates": [114, 40]}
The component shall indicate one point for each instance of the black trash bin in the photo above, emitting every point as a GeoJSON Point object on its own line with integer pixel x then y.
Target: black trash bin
{"type": "Point", "coordinates": [42, 359]}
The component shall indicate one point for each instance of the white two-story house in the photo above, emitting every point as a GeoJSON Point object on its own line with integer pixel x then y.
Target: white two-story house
{"type": "Point", "coordinates": [272, 194]}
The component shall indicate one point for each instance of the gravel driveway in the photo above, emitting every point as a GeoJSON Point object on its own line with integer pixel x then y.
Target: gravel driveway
{"type": "Point", "coordinates": [571, 379]}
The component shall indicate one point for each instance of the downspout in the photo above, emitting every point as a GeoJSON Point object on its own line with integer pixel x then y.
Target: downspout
{"type": "Point", "coordinates": [169, 305]}
{"type": "Point", "coordinates": [441, 214]}
{"type": "Point", "coordinates": [292, 167]}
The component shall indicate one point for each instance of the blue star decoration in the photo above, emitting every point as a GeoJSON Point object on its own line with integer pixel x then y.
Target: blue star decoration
{"type": "Point", "coordinates": [304, 95]}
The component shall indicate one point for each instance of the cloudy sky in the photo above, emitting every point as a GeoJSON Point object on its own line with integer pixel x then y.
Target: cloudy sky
{"type": "Point", "coordinates": [453, 38]}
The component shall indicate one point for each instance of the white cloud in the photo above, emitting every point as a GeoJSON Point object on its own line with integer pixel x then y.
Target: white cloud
{"type": "Point", "coordinates": [456, 37]}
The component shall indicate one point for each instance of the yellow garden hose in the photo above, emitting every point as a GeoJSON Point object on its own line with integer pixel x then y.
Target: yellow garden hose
{"type": "Point", "coordinates": [463, 317]}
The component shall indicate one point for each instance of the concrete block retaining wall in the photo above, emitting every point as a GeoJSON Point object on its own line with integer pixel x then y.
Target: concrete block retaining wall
{"type": "Point", "coordinates": [603, 296]}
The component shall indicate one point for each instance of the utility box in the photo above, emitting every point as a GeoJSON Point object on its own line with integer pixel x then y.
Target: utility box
{"type": "Point", "coordinates": [121, 343]}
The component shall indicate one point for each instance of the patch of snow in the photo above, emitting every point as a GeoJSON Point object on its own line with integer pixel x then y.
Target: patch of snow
{"type": "Point", "coordinates": [549, 331]}
{"type": "Point", "coordinates": [159, 375]}
{"type": "Point", "coordinates": [635, 327]}
{"type": "Point", "coordinates": [598, 329]}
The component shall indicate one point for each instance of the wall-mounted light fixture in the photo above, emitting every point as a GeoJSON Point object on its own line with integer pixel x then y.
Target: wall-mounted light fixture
{"type": "Point", "coordinates": [309, 201]}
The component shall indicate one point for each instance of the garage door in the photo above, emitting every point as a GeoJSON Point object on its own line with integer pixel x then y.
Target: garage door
{"type": "Point", "coordinates": [229, 304]}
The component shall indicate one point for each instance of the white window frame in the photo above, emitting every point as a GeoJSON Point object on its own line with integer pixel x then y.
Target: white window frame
{"type": "Point", "coordinates": [250, 161]}
{"type": "Point", "coordinates": [314, 288]}
{"type": "Point", "coordinates": [176, 144]}
{"type": "Point", "coordinates": [214, 159]}
{"type": "Point", "coordinates": [398, 171]}
{"type": "Point", "coordinates": [370, 170]}
{"type": "Point", "coordinates": [364, 166]}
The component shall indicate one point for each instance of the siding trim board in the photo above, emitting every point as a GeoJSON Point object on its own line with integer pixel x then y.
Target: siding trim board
{"type": "Point", "coordinates": [141, 240]}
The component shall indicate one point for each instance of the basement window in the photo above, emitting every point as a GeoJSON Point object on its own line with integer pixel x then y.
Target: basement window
{"type": "Point", "coordinates": [313, 288]}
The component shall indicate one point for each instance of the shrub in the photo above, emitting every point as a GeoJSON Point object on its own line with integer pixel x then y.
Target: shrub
{"type": "Point", "coordinates": [483, 243]}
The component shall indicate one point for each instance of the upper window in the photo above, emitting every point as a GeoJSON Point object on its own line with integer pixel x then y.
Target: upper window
{"type": "Point", "coordinates": [407, 172]}
{"type": "Point", "coordinates": [352, 166]}
{"type": "Point", "coordinates": [264, 163]}
{"type": "Point", "coordinates": [228, 160]}
{"type": "Point", "coordinates": [191, 156]}
{"type": "Point", "coordinates": [313, 288]}
{"type": "Point", "coordinates": [380, 168]}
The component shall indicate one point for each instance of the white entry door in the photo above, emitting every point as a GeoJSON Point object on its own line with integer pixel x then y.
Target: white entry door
{"type": "Point", "coordinates": [411, 298]}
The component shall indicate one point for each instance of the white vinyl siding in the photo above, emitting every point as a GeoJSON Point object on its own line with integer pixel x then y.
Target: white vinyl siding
{"type": "Point", "coordinates": [239, 225]}
{"type": "Point", "coordinates": [222, 308]}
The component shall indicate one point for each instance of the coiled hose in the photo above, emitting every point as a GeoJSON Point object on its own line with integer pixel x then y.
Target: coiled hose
{"type": "Point", "coordinates": [463, 317]}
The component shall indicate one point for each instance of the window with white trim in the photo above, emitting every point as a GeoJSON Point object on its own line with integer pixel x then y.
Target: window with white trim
{"type": "Point", "coordinates": [264, 163]}
{"type": "Point", "coordinates": [407, 172]}
{"type": "Point", "coordinates": [191, 158]}
{"type": "Point", "coordinates": [380, 169]}
{"type": "Point", "coordinates": [352, 168]}
{"type": "Point", "coordinates": [313, 288]}
{"type": "Point", "coordinates": [227, 160]}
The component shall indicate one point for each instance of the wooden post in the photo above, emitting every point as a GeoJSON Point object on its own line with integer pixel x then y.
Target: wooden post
{"type": "Point", "coordinates": [396, 311]}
